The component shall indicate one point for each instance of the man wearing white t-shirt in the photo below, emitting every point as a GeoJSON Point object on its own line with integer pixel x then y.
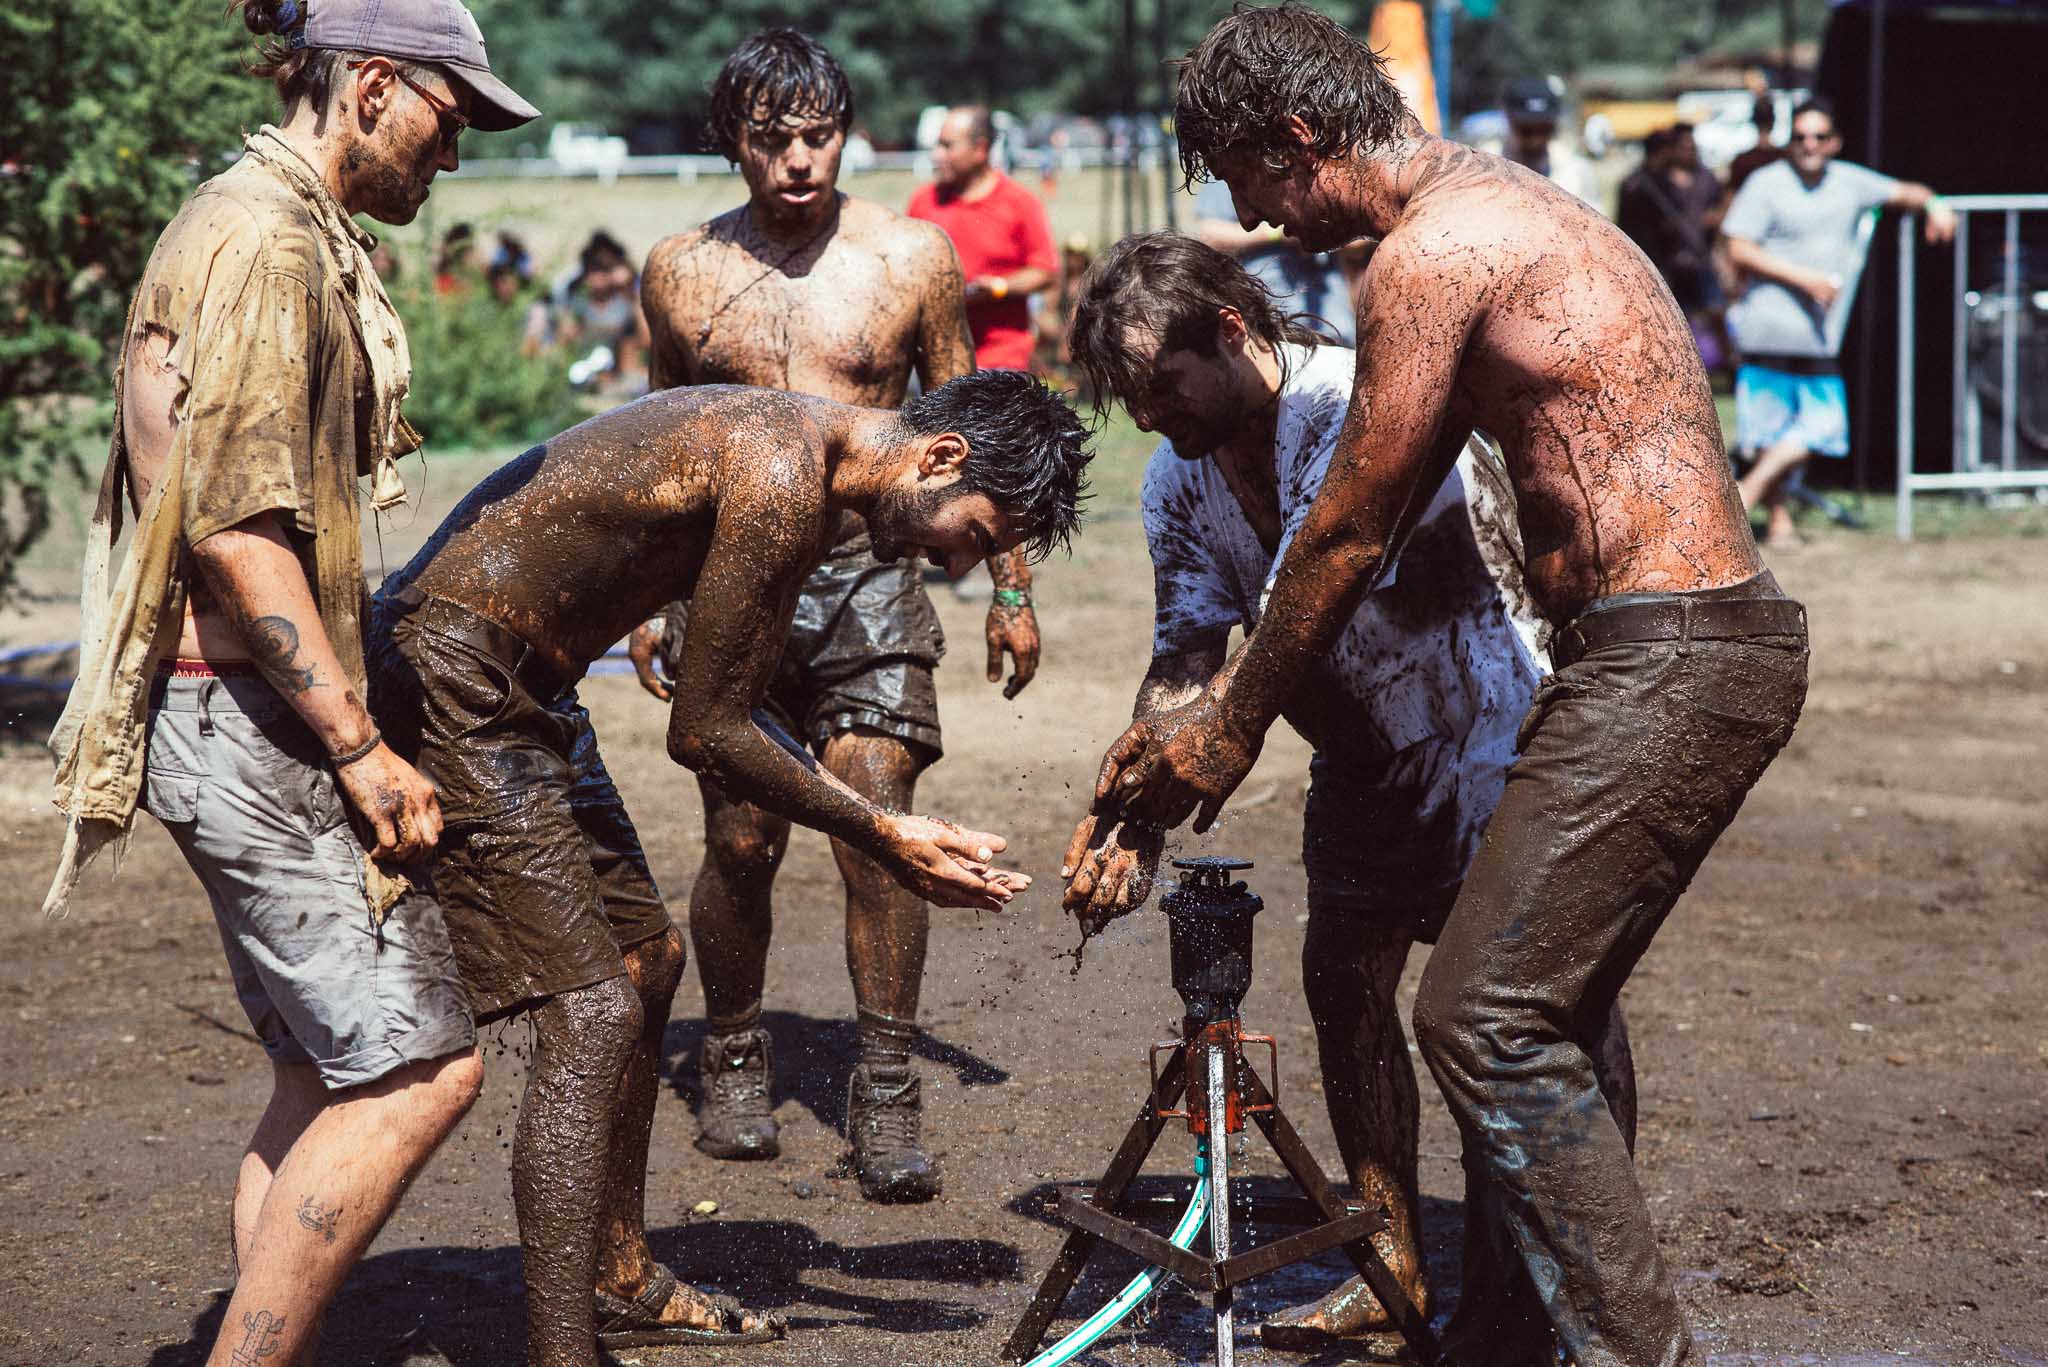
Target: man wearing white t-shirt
{"type": "Point", "coordinates": [1413, 716]}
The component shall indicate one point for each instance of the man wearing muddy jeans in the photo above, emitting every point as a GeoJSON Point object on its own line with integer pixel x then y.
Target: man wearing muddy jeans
{"type": "Point", "coordinates": [222, 683]}
{"type": "Point", "coordinates": [1496, 301]}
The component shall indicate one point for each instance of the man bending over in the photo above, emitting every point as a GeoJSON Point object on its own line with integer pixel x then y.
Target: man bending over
{"type": "Point", "coordinates": [1498, 302]}
{"type": "Point", "coordinates": [1412, 716]}
{"type": "Point", "coordinates": [726, 496]}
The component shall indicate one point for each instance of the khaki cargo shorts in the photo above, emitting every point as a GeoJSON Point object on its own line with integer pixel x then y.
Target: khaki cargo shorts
{"type": "Point", "coordinates": [245, 790]}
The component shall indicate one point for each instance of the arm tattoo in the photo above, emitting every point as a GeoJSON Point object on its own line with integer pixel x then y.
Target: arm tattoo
{"type": "Point", "coordinates": [260, 1340]}
{"type": "Point", "coordinates": [321, 1222]}
{"type": "Point", "coordinates": [274, 642]}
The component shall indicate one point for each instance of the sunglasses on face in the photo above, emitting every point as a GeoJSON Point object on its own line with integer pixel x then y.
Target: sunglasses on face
{"type": "Point", "coordinates": [1814, 138]}
{"type": "Point", "coordinates": [452, 120]}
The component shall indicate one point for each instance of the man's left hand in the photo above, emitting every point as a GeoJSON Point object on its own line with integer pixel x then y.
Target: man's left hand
{"type": "Point", "coordinates": [1189, 760]}
{"type": "Point", "coordinates": [1015, 629]}
{"type": "Point", "coordinates": [1113, 876]}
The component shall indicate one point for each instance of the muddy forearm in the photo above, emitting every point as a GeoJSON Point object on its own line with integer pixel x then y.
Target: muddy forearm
{"type": "Point", "coordinates": [1009, 570]}
{"type": "Point", "coordinates": [1174, 681]}
{"type": "Point", "coordinates": [259, 582]}
{"type": "Point", "coordinates": [753, 760]}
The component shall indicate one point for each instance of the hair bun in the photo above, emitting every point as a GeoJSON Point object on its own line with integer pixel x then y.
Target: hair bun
{"type": "Point", "coordinates": [270, 16]}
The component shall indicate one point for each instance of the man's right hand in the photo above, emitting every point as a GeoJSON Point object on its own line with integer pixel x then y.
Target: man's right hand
{"type": "Point", "coordinates": [949, 866]}
{"type": "Point", "coordinates": [643, 648]}
{"type": "Point", "coordinates": [396, 802]}
{"type": "Point", "coordinates": [1823, 289]}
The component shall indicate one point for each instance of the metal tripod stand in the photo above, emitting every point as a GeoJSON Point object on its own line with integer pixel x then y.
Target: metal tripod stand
{"type": "Point", "coordinates": [1210, 924]}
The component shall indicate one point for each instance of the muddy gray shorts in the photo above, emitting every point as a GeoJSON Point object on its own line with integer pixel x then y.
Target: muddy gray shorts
{"type": "Point", "coordinates": [245, 790]}
{"type": "Point", "coordinates": [861, 651]}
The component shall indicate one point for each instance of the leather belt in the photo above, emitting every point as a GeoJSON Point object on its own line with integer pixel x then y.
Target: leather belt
{"type": "Point", "coordinates": [452, 621]}
{"type": "Point", "coordinates": [1682, 618]}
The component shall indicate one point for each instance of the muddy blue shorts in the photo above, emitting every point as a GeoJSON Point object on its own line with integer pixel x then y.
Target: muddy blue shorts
{"type": "Point", "coordinates": [244, 788]}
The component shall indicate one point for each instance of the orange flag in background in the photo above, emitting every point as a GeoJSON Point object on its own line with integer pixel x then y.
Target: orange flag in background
{"type": "Point", "coordinates": [1400, 35]}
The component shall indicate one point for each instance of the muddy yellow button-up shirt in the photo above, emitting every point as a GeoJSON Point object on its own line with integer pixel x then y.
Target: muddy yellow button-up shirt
{"type": "Point", "coordinates": [262, 348]}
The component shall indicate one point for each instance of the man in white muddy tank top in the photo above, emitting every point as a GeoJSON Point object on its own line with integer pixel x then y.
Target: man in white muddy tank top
{"type": "Point", "coordinates": [1412, 716]}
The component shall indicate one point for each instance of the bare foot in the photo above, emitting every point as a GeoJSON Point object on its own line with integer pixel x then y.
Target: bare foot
{"type": "Point", "coordinates": [1346, 1313]}
{"type": "Point", "coordinates": [702, 1310]}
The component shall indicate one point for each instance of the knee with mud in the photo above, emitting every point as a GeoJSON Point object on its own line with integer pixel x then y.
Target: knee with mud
{"type": "Point", "coordinates": [656, 966]}
{"type": "Point", "coordinates": [747, 853]}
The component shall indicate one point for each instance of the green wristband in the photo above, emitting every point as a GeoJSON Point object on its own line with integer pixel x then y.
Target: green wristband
{"type": "Point", "coordinates": [1012, 598]}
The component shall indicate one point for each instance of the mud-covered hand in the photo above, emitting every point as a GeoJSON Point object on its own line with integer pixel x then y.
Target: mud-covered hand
{"type": "Point", "coordinates": [1012, 628]}
{"type": "Point", "coordinates": [1189, 760]}
{"type": "Point", "coordinates": [1112, 876]}
{"type": "Point", "coordinates": [643, 648]}
{"type": "Point", "coordinates": [949, 866]}
{"type": "Point", "coordinates": [396, 803]}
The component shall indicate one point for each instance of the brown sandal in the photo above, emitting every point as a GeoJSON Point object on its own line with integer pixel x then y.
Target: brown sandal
{"type": "Point", "coordinates": [637, 1323]}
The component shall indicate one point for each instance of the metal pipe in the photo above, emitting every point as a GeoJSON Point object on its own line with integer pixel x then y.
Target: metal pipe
{"type": "Point", "coordinates": [1907, 246]}
{"type": "Point", "coordinates": [2009, 353]}
{"type": "Point", "coordinates": [1960, 456]}
{"type": "Point", "coordinates": [1219, 1201]}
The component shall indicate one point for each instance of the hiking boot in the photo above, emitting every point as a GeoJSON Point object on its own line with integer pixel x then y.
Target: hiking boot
{"type": "Point", "coordinates": [884, 1112]}
{"type": "Point", "coordinates": [735, 1120]}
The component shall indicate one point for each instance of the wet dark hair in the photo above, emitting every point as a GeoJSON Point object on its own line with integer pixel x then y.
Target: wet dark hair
{"type": "Point", "coordinates": [1658, 140]}
{"type": "Point", "coordinates": [1173, 287]}
{"type": "Point", "coordinates": [1026, 449]}
{"type": "Point", "coordinates": [777, 72]}
{"type": "Point", "coordinates": [305, 73]}
{"type": "Point", "coordinates": [1258, 66]}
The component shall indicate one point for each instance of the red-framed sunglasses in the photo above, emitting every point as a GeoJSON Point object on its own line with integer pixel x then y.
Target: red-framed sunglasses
{"type": "Point", "coordinates": [452, 120]}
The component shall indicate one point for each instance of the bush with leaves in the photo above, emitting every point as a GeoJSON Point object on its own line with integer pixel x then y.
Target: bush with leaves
{"type": "Point", "coordinates": [472, 384]}
{"type": "Point", "coordinates": [112, 117]}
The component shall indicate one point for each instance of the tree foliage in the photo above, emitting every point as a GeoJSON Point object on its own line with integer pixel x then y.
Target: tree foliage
{"type": "Point", "coordinates": [111, 112]}
{"type": "Point", "coordinates": [635, 65]}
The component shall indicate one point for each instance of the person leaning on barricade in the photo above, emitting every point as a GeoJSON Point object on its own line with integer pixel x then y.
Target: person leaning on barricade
{"type": "Point", "coordinates": [221, 684]}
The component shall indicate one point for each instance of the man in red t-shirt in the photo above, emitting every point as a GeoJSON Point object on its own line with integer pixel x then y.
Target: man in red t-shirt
{"type": "Point", "coordinates": [1000, 231]}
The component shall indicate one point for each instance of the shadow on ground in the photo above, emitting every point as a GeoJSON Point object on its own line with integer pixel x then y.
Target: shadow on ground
{"type": "Point", "coordinates": [466, 1305]}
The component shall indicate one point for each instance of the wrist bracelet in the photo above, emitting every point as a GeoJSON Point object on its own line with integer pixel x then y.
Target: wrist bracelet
{"type": "Point", "coordinates": [343, 761]}
{"type": "Point", "coordinates": [1012, 598]}
{"type": "Point", "coordinates": [999, 286]}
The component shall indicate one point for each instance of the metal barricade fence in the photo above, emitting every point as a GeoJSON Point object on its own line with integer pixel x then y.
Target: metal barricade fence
{"type": "Point", "coordinates": [2016, 306]}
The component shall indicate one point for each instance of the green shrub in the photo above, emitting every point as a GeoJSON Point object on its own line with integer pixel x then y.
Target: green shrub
{"type": "Point", "coordinates": [471, 384]}
{"type": "Point", "coordinates": [112, 116]}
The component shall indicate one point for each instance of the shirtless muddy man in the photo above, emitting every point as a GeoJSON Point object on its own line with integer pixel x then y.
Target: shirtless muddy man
{"type": "Point", "coordinates": [812, 291]}
{"type": "Point", "coordinates": [1496, 301]}
{"type": "Point", "coordinates": [726, 496]}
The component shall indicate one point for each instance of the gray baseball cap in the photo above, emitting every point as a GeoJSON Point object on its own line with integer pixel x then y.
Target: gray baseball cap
{"type": "Point", "coordinates": [441, 32]}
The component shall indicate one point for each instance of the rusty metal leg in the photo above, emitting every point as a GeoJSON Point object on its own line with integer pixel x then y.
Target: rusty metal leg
{"type": "Point", "coordinates": [1109, 1193]}
{"type": "Point", "coordinates": [1308, 1175]}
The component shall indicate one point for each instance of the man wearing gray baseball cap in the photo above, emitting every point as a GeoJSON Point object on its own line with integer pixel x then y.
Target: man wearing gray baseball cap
{"type": "Point", "coordinates": [222, 684]}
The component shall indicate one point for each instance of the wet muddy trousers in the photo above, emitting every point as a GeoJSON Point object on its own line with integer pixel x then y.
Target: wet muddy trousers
{"type": "Point", "coordinates": [1634, 759]}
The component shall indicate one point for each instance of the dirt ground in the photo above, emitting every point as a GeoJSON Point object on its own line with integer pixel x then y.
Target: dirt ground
{"type": "Point", "coordinates": [1842, 1034]}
